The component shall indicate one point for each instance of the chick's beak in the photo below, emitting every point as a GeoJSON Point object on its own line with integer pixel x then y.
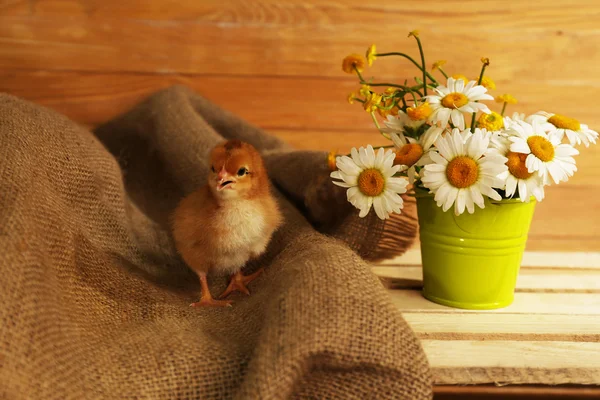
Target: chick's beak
{"type": "Point", "coordinates": [224, 180]}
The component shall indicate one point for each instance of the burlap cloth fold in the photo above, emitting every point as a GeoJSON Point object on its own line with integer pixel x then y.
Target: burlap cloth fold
{"type": "Point", "coordinates": [94, 299]}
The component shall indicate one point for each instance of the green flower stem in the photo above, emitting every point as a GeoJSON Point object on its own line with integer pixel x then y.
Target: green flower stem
{"type": "Point", "coordinates": [363, 82]}
{"type": "Point", "coordinates": [485, 64]}
{"type": "Point", "coordinates": [414, 97]}
{"type": "Point", "coordinates": [358, 73]}
{"type": "Point", "coordinates": [424, 68]}
{"type": "Point", "coordinates": [503, 109]}
{"type": "Point", "coordinates": [387, 108]}
{"type": "Point", "coordinates": [375, 120]}
{"type": "Point", "coordinates": [443, 72]}
{"type": "Point", "coordinates": [431, 78]}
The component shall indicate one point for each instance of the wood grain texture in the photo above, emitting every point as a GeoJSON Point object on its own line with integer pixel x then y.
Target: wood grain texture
{"type": "Point", "coordinates": [521, 392]}
{"type": "Point", "coordinates": [540, 260]}
{"type": "Point", "coordinates": [314, 103]}
{"type": "Point", "coordinates": [530, 279]}
{"type": "Point", "coordinates": [519, 54]}
{"type": "Point", "coordinates": [525, 303]}
{"type": "Point", "coordinates": [514, 354]}
{"type": "Point", "coordinates": [543, 326]}
{"type": "Point", "coordinates": [325, 12]}
{"type": "Point", "coordinates": [15, 7]}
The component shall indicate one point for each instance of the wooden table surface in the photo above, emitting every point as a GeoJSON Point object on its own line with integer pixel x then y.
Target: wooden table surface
{"type": "Point", "coordinates": [553, 324]}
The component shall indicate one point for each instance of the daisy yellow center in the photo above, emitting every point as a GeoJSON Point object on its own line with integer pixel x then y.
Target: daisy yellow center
{"type": "Point", "coordinates": [562, 122]}
{"type": "Point", "coordinates": [462, 172]}
{"type": "Point", "coordinates": [454, 100]}
{"type": "Point", "coordinates": [408, 154]}
{"type": "Point", "coordinates": [371, 182]}
{"type": "Point", "coordinates": [516, 165]}
{"type": "Point", "coordinates": [492, 121]}
{"type": "Point", "coordinates": [541, 148]}
{"type": "Point", "coordinates": [420, 112]}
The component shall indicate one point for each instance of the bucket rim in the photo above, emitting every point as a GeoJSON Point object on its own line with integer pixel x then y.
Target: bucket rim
{"type": "Point", "coordinates": [418, 192]}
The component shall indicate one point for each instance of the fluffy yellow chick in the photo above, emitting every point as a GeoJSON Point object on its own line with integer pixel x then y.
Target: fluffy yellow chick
{"type": "Point", "coordinates": [230, 220]}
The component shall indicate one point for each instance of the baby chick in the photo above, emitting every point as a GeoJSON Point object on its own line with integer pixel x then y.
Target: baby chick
{"type": "Point", "coordinates": [230, 220]}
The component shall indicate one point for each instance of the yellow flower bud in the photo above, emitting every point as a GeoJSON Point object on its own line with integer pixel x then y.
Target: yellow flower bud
{"type": "Point", "coordinates": [352, 63]}
{"type": "Point", "coordinates": [414, 33]}
{"type": "Point", "coordinates": [371, 54]}
{"type": "Point", "coordinates": [420, 112]}
{"type": "Point", "coordinates": [487, 82]}
{"type": "Point", "coordinates": [506, 98]}
{"type": "Point", "coordinates": [365, 90]}
{"type": "Point", "coordinates": [351, 98]}
{"type": "Point", "coordinates": [371, 102]}
{"type": "Point", "coordinates": [492, 121]}
{"type": "Point", "coordinates": [437, 64]}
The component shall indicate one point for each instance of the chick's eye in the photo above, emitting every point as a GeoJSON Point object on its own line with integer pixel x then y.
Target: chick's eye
{"type": "Point", "coordinates": [212, 168]}
{"type": "Point", "coordinates": [242, 171]}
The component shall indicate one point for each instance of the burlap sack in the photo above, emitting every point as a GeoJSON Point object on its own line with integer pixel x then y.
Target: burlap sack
{"type": "Point", "coordinates": [94, 299]}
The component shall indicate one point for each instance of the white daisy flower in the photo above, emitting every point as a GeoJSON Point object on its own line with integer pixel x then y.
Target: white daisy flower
{"type": "Point", "coordinates": [410, 153]}
{"type": "Point", "coordinates": [517, 176]}
{"type": "Point", "coordinates": [431, 135]}
{"type": "Point", "coordinates": [466, 133]}
{"type": "Point", "coordinates": [370, 180]}
{"type": "Point", "coordinates": [398, 124]}
{"type": "Point", "coordinates": [463, 172]}
{"type": "Point", "coordinates": [453, 100]}
{"type": "Point", "coordinates": [576, 132]}
{"type": "Point", "coordinates": [509, 121]}
{"type": "Point", "coordinates": [545, 154]}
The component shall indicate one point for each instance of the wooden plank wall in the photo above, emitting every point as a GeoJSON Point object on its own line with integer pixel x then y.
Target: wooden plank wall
{"type": "Point", "coordinates": [277, 64]}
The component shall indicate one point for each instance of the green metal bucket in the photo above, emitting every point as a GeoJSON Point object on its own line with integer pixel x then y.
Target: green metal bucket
{"type": "Point", "coordinates": [472, 261]}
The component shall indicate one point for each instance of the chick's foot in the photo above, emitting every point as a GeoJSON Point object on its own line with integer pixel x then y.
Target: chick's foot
{"type": "Point", "coordinates": [239, 281]}
{"type": "Point", "coordinates": [206, 300]}
{"type": "Point", "coordinates": [211, 303]}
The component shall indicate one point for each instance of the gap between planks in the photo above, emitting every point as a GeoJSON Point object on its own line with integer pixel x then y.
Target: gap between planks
{"type": "Point", "coordinates": [540, 259]}
{"type": "Point", "coordinates": [514, 327]}
{"type": "Point", "coordinates": [524, 303]}
{"type": "Point", "coordinates": [530, 279]}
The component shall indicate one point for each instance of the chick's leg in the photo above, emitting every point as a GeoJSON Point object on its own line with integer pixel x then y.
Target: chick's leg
{"type": "Point", "coordinates": [239, 281]}
{"type": "Point", "coordinates": [206, 300]}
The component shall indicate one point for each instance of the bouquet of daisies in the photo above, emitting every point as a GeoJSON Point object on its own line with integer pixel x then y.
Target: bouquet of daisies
{"type": "Point", "coordinates": [434, 149]}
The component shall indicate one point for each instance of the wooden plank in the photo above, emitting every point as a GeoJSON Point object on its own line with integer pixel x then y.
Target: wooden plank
{"type": "Point", "coordinates": [331, 140]}
{"type": "Point", "coordinates": [544, 259]}
{"type": "Point", "coordinates": [542, 243]}
{"type": "Point", "coordinates": [525, 303]}
{"type": "Point", "coordinates": [540, 327]}
{"type": "Point", "coordinates": [15, 7]}
{"type": "Point", "coordinates": [529, 280]}
{"type": "Point", "coordinates": [308, 49]}
{"type": "Point", "coordinates": [305, 11]}
{"type": "Point", "coordinates": [474, 354]}
{"type": "Point", "coordinates": [302, 103]}
{"type": "Point", "coordinates": [515, 392]}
